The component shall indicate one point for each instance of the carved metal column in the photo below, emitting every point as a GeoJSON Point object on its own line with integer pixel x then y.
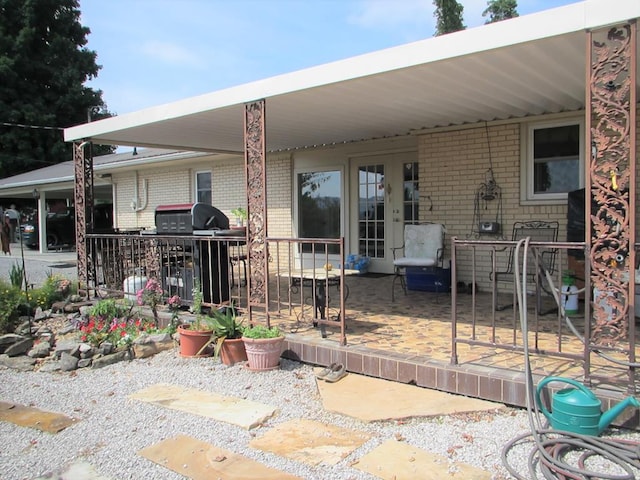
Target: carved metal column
{"type": "Point", "coordinates": [83, 190]}
{"type": "Point", "coordinates": [256, 177]}
{"type": "Point", "coordinates": [610, 197]}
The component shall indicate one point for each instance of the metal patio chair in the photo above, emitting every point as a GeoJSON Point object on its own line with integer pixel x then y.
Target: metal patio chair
{"type": "Point", "coordinates": [539, 261]}
{"type": "Point", "coordinates": [423, 247]}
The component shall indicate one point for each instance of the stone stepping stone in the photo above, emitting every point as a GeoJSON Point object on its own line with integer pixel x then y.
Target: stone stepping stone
{"type": "Point", "coordinates": [373, 399]}
{"type": "Point", "coordinates": [310, 442]}
{"type": "Point", "coordinates": [395, 460]}
{"type": "Point", "coordinates": [31, 417]}
{"type": "Point", "coordinates": [236, 411]}
{"type": "Point", "coordinates": [201, 461]}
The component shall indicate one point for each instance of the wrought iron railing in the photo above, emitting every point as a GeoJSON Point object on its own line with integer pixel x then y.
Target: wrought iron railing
{"type": "Point", "coordinates": [306, 284]}
{"type": "Point", "coordinates": [565, 333]}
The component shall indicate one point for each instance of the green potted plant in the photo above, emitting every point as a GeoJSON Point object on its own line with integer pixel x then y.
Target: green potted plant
{"type": "Point", "coordinates": [241, 215]}
{"type": "Point", "coordinates": [228, 331]}
{"type": "Point", "coordinates": [197, 335]}
{"type": "Point", "coordinates": [264, 347]}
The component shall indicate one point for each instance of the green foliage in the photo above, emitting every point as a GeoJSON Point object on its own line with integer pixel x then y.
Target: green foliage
{"type": "Point", "coordinates": [225, 326]}
{"type": "Point", "coordinates": [109, 309]}
{"type": "Point", "coordinates": [499, 10]}
{"type": "Point", "coordinates": [261, 331]}
{"type": "Point", "coordinates": [203, 322]}
{"type": "Point", "coordinates": [16, 275]}
{"type": "Point", "coordinates": [44, 65]}
{"type": "Point", "coordinates": [225, 323]}
{"type": "Point", "coordinates": [448, 15]}
{"type": "Point", "coordinates": [240, 213]}
{"type": "Point", "coordinates": [10, 300]}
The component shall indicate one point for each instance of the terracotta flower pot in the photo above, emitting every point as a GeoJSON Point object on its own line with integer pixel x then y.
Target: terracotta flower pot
{"type": "Point", "coordinates": [263, 353]}
{"type": "Point", "coordinates": [192, 341]}
{"type": "Point", "coordinates": [232, 351]}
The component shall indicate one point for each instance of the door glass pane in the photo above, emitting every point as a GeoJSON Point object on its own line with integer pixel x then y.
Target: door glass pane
{"type": "Point", "coordinates": [411, 192]}
{"type": "Point", "coordinates": [319, 206]}
{"type": "Point", "coordinates": [371, 241]}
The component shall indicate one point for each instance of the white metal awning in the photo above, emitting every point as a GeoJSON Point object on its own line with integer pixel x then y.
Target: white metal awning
{"type": "Point", "coordinates": [529, 65]}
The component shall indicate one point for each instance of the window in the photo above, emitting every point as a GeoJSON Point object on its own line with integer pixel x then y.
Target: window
{"type": "Point", "coordinates": [319, 205]}
{"type": "Point", "coordinates": [203, 187]}
{"type": "Point", "coordinates": [554, 160]}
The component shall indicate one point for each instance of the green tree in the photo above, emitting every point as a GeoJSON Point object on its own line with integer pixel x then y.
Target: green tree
{"type": "Point", "coordinates": [44, 64]}
{"type": "Point", "coordinates": [500, 10]}
{"type": "Point", "coordinates": [448, 16]}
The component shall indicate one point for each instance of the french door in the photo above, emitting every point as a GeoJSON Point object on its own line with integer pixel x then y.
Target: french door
{"type": "Point", "coordinates": [384, 197]}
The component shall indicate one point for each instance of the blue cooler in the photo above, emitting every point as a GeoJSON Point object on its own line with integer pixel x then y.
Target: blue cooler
{"type": "Point", "coordinates": [429, 279]}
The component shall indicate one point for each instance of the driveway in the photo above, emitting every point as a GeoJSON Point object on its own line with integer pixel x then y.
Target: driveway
{"type": "Point", "coordinates": [38, 265]}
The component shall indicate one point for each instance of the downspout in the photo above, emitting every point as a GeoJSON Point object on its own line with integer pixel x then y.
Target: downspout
{"type": "Point", "coordinates": [135, 203]}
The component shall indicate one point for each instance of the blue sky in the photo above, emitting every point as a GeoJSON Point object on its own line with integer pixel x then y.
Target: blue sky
{"type": "Point", "coordinates": [158, 51]}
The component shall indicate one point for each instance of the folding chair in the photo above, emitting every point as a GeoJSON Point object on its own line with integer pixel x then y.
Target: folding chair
{"type": "Point", "coordinates": [423, 247]}
{"type": "Point", "coordinates": [538, 231]}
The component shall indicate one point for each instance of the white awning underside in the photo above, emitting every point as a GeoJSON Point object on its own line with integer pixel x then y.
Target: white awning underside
{"type": "Point", "coordinates": [526, 66]}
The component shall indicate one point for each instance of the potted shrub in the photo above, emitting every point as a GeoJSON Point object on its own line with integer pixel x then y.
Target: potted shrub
{"type": "Point", "coordinates": [241, 215]}
{"type": "Point", "coordinates": [228, 331]}
{"type": "Point", "coordinates": [263, 346]}
{"type": "Point", "coordinates": [196, 336]}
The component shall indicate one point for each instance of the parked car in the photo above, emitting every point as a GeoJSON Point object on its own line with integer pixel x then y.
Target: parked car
{"type": "Point", "coordinates": [61, 227]}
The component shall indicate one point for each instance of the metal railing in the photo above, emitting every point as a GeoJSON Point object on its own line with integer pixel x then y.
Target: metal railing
{"type": "Point", "coordinates": [550, 333]}
{"type": "Point", "coordinates": [303, 289]}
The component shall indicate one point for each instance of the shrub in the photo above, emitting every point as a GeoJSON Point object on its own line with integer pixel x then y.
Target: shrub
{"type": "Point", "coordinates": [54, 288]}
{"type": "Point", "coordinates": [10, 300]}
{"type": "Point", "coordinates": [261, 331]}
{"type": "Point", "coordinates": [16, 275]}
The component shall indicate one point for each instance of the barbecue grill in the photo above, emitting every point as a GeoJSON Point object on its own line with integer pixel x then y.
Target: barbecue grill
{"type": "Point", "coordinates": [201, 258]}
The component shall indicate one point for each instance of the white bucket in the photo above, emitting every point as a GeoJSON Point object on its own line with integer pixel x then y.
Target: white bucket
{"type": "Point", "coordinates": [570, 299]}
{"type": "Point", "coordinates": [131, 285]}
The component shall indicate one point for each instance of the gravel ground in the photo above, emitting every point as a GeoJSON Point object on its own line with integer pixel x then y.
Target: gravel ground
{"type": "Point", "coordinates": [112, 427]}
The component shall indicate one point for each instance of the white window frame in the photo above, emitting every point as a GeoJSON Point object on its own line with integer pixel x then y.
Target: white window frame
{"type": "Point", "coordinates": [527, 194]}
{"type": "Point", "coordinates": [197, 188]}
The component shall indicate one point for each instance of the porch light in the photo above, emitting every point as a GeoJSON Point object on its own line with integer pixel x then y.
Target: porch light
{"type": "Point", "coordinates": [36, 194]}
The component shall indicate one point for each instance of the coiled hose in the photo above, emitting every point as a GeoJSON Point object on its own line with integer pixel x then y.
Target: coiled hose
{"type": "Point", "coordinates": [549, 456]}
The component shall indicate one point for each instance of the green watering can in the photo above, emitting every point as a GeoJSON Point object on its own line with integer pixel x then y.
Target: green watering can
{"type": "Point", "coordinates": [577, 409]}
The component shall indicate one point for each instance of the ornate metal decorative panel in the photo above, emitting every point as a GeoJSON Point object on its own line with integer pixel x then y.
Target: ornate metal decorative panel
{"type": "Point", "coordinates": [611, 119]}
{"type": "Point", "coordinates": [83, 191]}
{"type": "Point", "coordinates": [255, 166]}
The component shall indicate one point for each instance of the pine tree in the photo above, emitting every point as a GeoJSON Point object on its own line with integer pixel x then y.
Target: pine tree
{"type": "Point", "coordinates": [448, 16]}
{"type": "Point", "coordinates": [500, 10]}
{"type": "Point", "coordinates": [44, 65]}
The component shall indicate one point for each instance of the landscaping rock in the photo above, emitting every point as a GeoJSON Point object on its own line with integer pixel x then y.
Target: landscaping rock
{"type": "Point", "coordinates": [52, 366]}
{"type": "Point", "coordinates": [105, 360]}
{"type": "Point", "coordinates": [85, 362]}
{"type": "Point", "coordinates": [65, 346]}
{"type": "Point", "coordinates": [22, 363]}
{"type": "Point", "coordinates": [148, 345]}
{"type": "Point", "coordinates": [59, 306]}
{"type": "Point", "coordinates": [23, 329]}
{"type": "Point", "coordinates": [66, 329]}
{"type": "Point", "coordinates": [9, 339]}
{"type": "Point", "coordinates": [41, 315]}
{"type": "Point", "coordinates": [68, 362]}
{"type": "Point", "coordinates": [21, 347]}
{"type": "Point", "coordinates": [40, 350]}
